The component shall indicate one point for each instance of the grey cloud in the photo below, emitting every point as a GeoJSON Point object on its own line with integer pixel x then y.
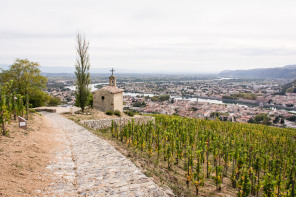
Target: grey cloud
{"type": "Point", "coordinates": [156, 34]}
{"type": "Point", "coordinates": [267, 52]}
{"type": "Point", "coordinates": [25, 35]}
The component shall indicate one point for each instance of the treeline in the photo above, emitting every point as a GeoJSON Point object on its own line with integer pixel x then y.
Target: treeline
{"type": "Point", "coordinates": [155, 98]}
{"type": "Point", "coordinates": [27, 80]}
{"type": "Point", "coordinates": [248, 96]}
{"type": "Point", "coordinates": [22, 87]}
{"type": "Point", "coordinates": [289, 87]}
{"type": "Point", "coordinates": [160, 98]}
{"type": "Point", "coordinates": [292, 118]}
{"type": "Point", "coordinates": [266, 120]}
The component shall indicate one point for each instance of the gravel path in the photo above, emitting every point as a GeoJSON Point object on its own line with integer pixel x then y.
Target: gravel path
{"type": "Point", "coordinates": [90, 166]}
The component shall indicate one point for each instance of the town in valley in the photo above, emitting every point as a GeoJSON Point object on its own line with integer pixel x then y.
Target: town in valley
{"type": "Point", "coordinates": [148, 98]}
{"type": "Point", "coordinates": [195, 96]}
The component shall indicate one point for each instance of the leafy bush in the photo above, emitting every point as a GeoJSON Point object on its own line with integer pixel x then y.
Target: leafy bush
{"type": "Point", "coordinates": [109, 112]}
{"type": "Point", "coordinates": [248, 96]}
{"type": "Point", "coordinates": [38, 98]}
{"type": "Point", "coordinates": [117, 113]}
{"type": "Point", "coordinates": [261, 119]}
{"type": "Point", "coordinates": [215, 114]}
{"type": "Point", "coordinates": [91, 100]}
{"type": "Point", "coordinates": [130, 113]}
{"type": "Point", "coordinates": [192, 109]}
{"type": "Point", "coordinates": [139, 104]}
{"type": "Point", "coordinates": [164, 97]}
{"type": "Point", "coordinates": [292, 118]}
{"type": "Point", "coordinates": [251, 120]}
{"type": "Point", "coordinates": [54, 101]}
{"type": "Point", "coordinates": [160, 98]}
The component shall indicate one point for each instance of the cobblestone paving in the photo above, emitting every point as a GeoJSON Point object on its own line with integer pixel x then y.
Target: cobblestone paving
{"type": "Point", "coordinates": [90, 166]}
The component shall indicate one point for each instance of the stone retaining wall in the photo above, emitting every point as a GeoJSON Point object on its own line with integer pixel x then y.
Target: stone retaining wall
{"type": "Point", "coordinates": [106, 123]}
{"type": "Point", "coordinates": [46, 110]}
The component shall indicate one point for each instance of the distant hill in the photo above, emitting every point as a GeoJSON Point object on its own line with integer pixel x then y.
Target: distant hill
{"type": "Point", "coordinates": [286, 72]}
{"type": "Point", "coordinates": [289, 87]}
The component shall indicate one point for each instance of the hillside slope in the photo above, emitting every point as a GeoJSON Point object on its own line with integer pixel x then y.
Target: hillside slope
{"type": "Point", "coordinates": [289, 87]}
{"type": "Point", "coordinates": [286, 72]}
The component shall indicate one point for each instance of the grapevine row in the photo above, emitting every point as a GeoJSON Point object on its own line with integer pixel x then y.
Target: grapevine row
{"type": "Point", "coordinates": [259, 160]}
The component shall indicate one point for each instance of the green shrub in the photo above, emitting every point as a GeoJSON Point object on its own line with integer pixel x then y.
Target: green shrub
{"type": "Point", "coordinates": [139, 104]}
{"type": "Point", "coordinates": [117, 113]}
{"type": "Point", "coordinates": [38, 98]}
{"type": "Point", "coordinates": [292, 118]}
{"type": "Point", "coordinates": [130, 113]}
{"type": "Point", "coordinates": [248, 96]}
{"type": "Point", "coordinates": [53, 101]}
{"type": "Point", "coordinates": [160, 98]}
{"type": "Point", "coordinates": [109, 112]}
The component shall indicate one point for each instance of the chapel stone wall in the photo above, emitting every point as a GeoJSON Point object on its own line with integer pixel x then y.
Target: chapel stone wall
{"type": "Point", "coordinates": [118, 102]}
{"type": "Point", "coordinates": [103, 100]}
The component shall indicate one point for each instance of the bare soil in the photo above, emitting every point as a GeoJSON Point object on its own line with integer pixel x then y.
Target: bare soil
{"type": "Point", "coordinates": [24, 156]}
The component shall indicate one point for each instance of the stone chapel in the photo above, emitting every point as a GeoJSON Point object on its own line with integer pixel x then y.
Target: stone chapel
{"type": "Point", "coordinates": [109, 97]}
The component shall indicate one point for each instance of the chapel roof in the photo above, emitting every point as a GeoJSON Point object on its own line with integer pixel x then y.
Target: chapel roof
{"type": "Point", "coordinates": [113, 89]}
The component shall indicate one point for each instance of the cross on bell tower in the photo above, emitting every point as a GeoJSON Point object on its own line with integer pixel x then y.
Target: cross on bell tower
{"type": "Point", "coordinates": [112, 71]}
{"type": "Point", "coordinates": [112, 79]}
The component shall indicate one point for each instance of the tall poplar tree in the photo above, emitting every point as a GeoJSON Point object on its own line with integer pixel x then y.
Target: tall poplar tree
{"type": "Point", "coordinates": [82, 92]}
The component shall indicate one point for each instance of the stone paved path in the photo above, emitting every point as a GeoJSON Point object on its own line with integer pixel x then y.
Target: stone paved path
{"type": "Point", "coordinates": [90, 166]}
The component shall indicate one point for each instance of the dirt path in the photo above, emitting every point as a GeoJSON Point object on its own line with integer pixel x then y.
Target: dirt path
{"type": "Point", "coordinates": [24, 156]}
{"type": "Point", "coordinates": [89, 166]}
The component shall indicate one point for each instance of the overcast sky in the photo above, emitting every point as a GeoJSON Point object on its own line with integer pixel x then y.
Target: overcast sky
{"type": "Point", "coordinates": [155, 35]}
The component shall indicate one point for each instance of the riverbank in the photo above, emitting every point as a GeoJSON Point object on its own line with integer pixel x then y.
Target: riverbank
{"type": "Point", "coordinates": [212, 100]}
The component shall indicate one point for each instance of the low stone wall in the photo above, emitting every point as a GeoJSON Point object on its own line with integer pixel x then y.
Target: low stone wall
{"type": "Point", "coordinates": [46, 110]}
{"type": "Point", "coordinates": [106, 123]}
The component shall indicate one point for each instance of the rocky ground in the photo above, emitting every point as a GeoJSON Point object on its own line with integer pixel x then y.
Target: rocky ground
{"type": "Point", "coordinates": [90, 166]}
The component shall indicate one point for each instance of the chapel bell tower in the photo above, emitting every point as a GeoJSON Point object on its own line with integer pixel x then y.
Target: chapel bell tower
{"type": "Point", "coordinates": [112, 79]}
{"type": "Point", "coordinates": [109, 97]}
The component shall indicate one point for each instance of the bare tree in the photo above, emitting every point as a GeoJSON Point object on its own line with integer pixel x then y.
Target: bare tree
{"type": "Point", "coordinates": [82, 92]}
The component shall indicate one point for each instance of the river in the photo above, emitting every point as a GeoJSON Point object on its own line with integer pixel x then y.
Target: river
{"type": "Point", "coordinates": [175, 97]}
{"type": "Point", "coordinates": [92, 86]}
{"type": "Point", "coordinates": [213, 101]}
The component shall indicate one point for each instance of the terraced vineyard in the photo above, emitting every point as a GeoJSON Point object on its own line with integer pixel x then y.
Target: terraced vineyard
{"type": "Point", "coordinates": [255, 159]}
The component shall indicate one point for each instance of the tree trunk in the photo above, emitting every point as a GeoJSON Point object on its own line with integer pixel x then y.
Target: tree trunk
{"type": "Point", "coordinates": [14, 115]}
{"type": "Point", "coordinates": [279, 183]}
{"type": "Point", "coordinates": [207, 164]}
{"type": "Point", "coordinates": [258, 181]}
{"type": "Point", "coordinates": [2, 126]}
{"type": "Point", "coordinates": [293, 187]}
{"type": "Point", "coordinates": [27, 107]}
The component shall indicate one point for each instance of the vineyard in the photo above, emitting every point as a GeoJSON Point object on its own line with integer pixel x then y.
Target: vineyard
{"type": "Point", "coordinates": [21, 87]}
{"type": "Point", "coordinates": [256, 160]}
{"type": "Point", "coordinates": [11, 105]}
